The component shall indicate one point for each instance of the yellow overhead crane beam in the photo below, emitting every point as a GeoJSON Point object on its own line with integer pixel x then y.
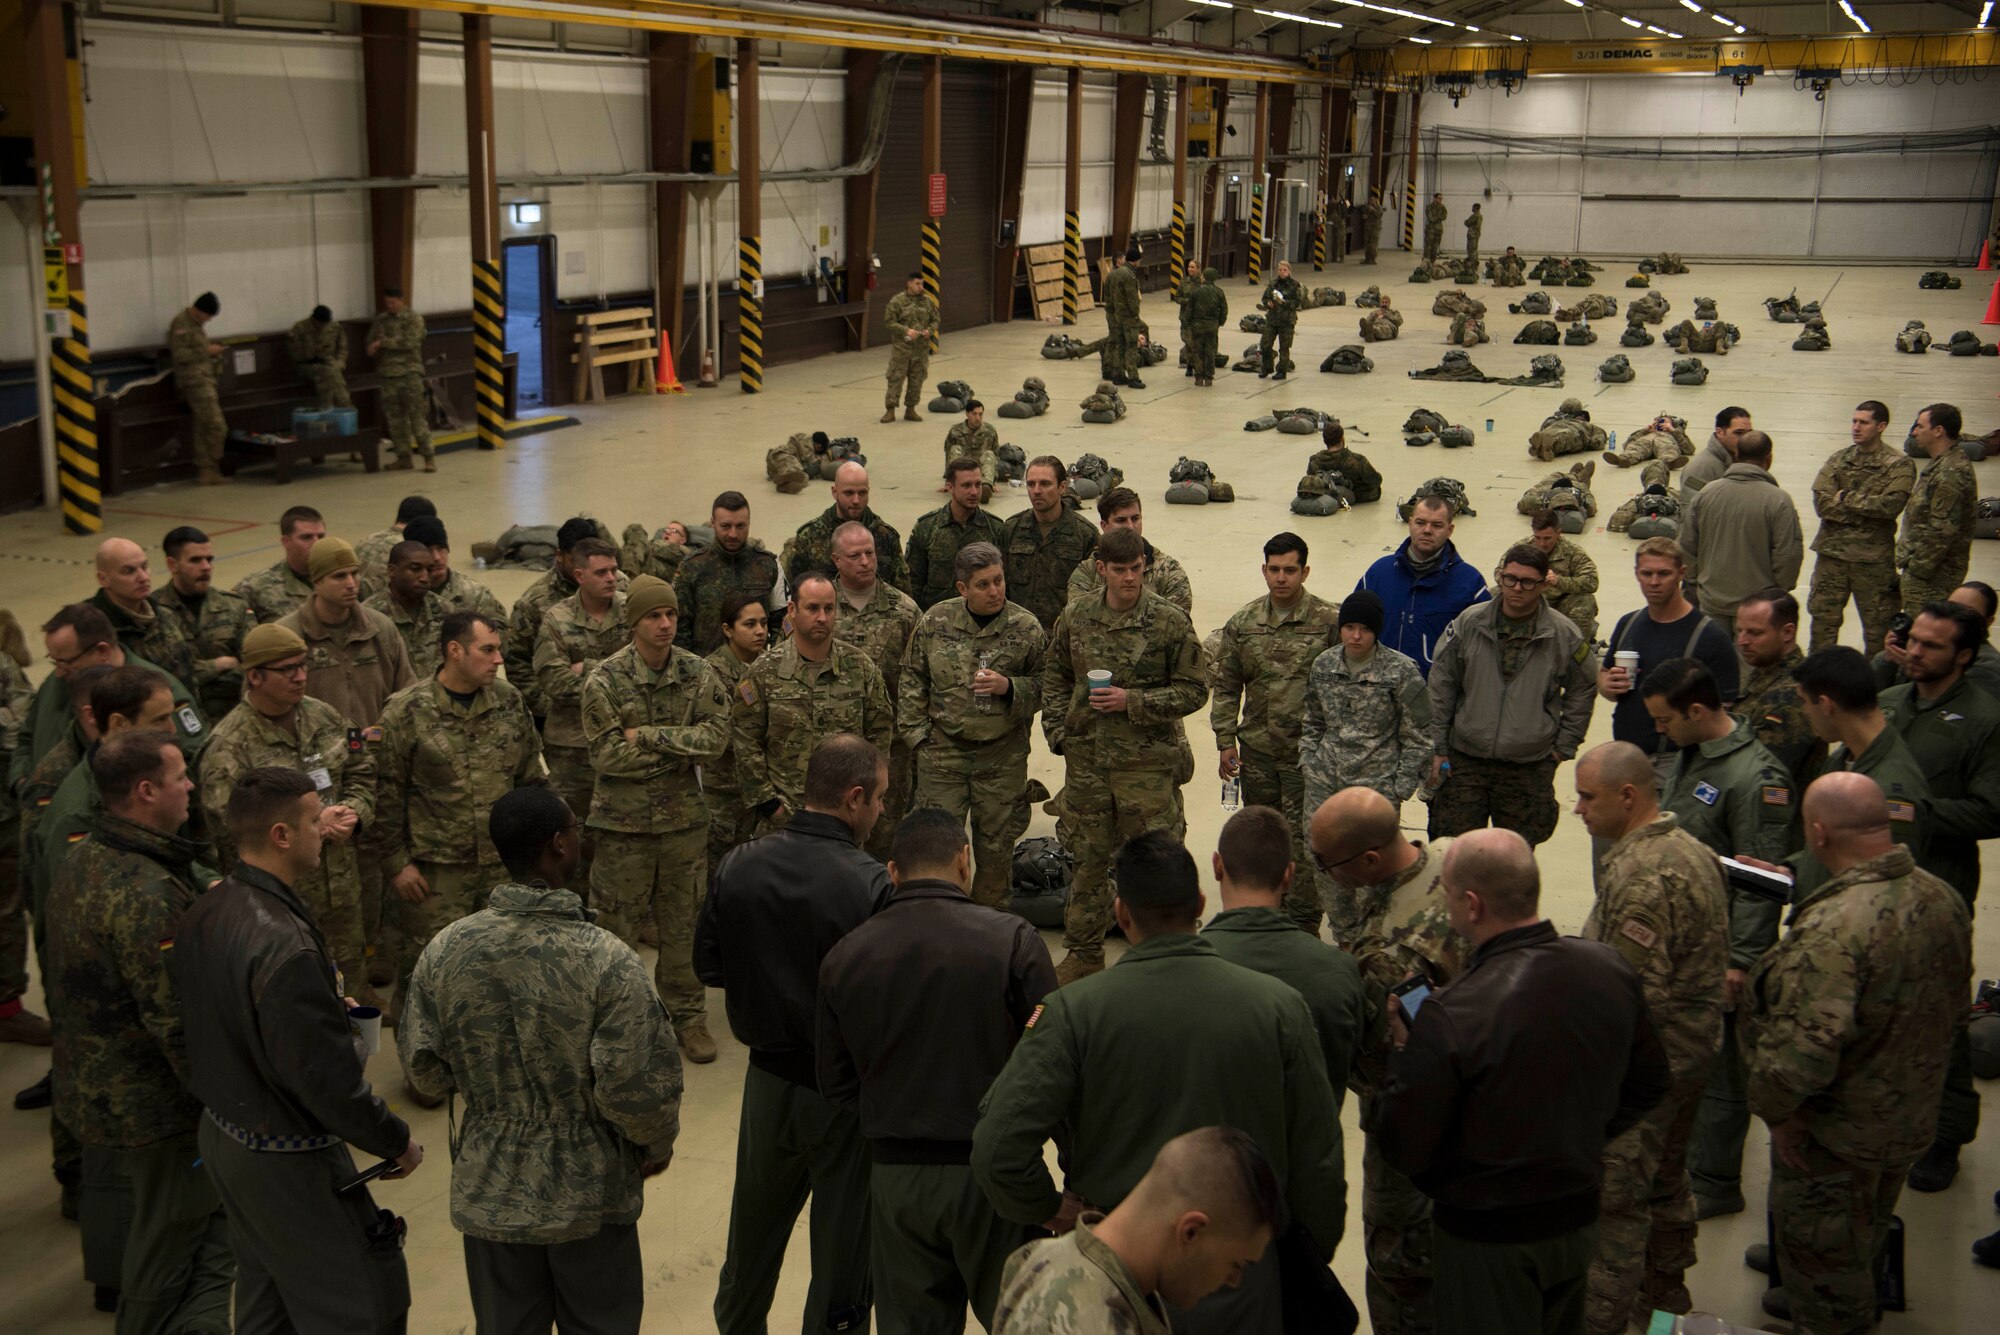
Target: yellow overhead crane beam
{"type": "Point", "coordinates": [868, 31]}
{"type": "Point", "coordinates": [1859, 54]}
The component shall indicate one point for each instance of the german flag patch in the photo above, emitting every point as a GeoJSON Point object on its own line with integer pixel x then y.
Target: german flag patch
{"type": "Point", "coordinates": [1775, 796]}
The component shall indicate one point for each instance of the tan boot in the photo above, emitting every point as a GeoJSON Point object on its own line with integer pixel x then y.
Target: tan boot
{"type": "Point", "coordinates": [1074, 966]}
{"type": "Point", "coordinates": [1584, 471]}
{"type": "Point", "coordinates": [24, 1026]}
{"type": "Point", "coordinates": [430, 464]}
{"type": "Point", "coordinates": [910, 415]}
{"type": "Point", "coordinates": [210, 477]}
{"type": "Point", "coordinates": [398, 466]}
{"type": "Point", "coordinates": [889, 416]}
{"type": "Point", "coordinates": [696, 1045]}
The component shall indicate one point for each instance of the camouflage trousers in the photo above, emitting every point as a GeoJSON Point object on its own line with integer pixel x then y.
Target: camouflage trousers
{"type": "Point", "coordinates": [1958, 1109]}
{"type": "Point", "coordinates": [1518, 797]}
{"type": "Point", "coordinates": [1715, 1157]}
{"type": "Point", "coordinates": [1121, 349]}
{"type": "Point", "coordinates": [571, 775]}
{"type": "Point", "coordinates": [1269, 783]}
{"type": "Point", "coordinates": [895, 803]}
{"type": "Point", "coordinates": [13, 933]}
{"type": "Point", "coordinates": [1872, 585]}
{"type": "Point", "coordinates": [1433, 242]}
{"type": "Point", "coordinates": [333, 893]}
{"type": "Point", "coordinates": [456, 889]}
{"type": "Point", "coordinates": [1396, 1236]}
{"type": "Point", "coordinates": [658, 878]}
{"type": "Point", "coordinates": [1108, 805]}
{"type": "Point", "coordinates": [1283, 339]}
{"type": "Point", "coordinates": [1645, 1224]}
{"type": "Point", "coordinates": [329, 386]}
{"type": "Point", "coordinates": [1935, 588]}
{"type": "Point", "coordinates": [728, 823]}
{"type": "Point", "coordinates": [1202, 357]}
{"type": "Point", "coordinates": [1828, 1226]}
{"type": "Point", "coordinates": [406, 414]}
{"type": "Point", "coordinates": [987, 783]}
{"type": "Point", "coordinates": [909, 367]}
{"type": "Point", "coordinates": [210, 430]}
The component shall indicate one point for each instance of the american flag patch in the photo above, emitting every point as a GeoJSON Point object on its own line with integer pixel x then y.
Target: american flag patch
{"type": "Point", "coordinates": [1903, 811]}
{"type": "Point", "coordinates": [1778, 797]}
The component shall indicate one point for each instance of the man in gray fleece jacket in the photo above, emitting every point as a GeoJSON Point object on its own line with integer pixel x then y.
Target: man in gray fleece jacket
{"type": "Point", "coordinates": [1742, 533]}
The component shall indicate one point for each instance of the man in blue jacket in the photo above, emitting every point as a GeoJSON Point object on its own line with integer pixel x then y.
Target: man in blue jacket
{"type": "Point", "coordinates": [1423, 584]}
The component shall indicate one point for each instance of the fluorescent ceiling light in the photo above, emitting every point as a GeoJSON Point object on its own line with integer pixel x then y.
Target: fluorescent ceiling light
{"type": "Point", "coordinates": [1216, 4]}
{"type": "Point", "coordinates": [1512, 37]}
{"type": "Point", "coordinates": [1690, 4]}
{"type": "Point", "coordinates": [1577, 3]}
{"type": "Point", "coordinates": [1676, 36]}
{"type": "Point", "coordinates": [1724, 20]}
{"type": "Point", "coordinates": [1630, 23]}
{"type": "Point", "coordinates": [1985, 12]}
{"type": "Point", "coordinates": [1661, 31]}
{"type": "Point", "coordinates": [1739, 28]}
{"type": "Point", "coordinates": [1421, 41]}
{"type": "Point", "coordinates": [1470, 28]}
{"type": "Point", "coordinates": [1296, 18]}
{"type": "Point", "coordinates": [1853, 17]}
{"type": "Point", "coordinates": [1399, 13]}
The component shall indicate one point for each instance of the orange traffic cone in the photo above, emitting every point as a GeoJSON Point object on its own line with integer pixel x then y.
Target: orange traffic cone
{"type": "Point", "coordinates": [1993, 305]}
{"type": "Point", "coordinates": [665, 381]}
{"type": "Point", "coordinates": [1986, 254]}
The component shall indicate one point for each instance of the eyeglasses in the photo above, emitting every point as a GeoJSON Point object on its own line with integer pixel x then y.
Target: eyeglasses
{"type": "Point", "coordinates": [297, 669]}
{"type": "Point", "coordinates": [1328, 867]}
{"type": "Point", "coordinates": [1521, 582]}
{"type": "Point", "coordinates": [73, 658]}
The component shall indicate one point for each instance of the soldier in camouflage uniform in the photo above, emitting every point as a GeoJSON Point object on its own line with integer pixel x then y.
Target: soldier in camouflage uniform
{"type": "Point", "coordinates": [1206, 310]}
{"type": "Point", "coordinates": [278, 724]}
{"type": "Point", "coordinates": [1367, 715]}
{"type": "Point", "coordinates": [411, 607]}
{"type": "Point", "coordinates": [17, 1024]}
{"type": "Point", "coordinates": [1858, 495]}
{"type": "Point", "coordinates": [374, 549]}
{"type": "Point", "coordinates": [797, 696]}
{"type": "Point", "coordinates": [1475, 223]}
{"type": "Point", "coordinates": [1282, 302]}
{"type": "Point", "coordinates": [523, 626]}
{"type": "Point", "coordinates": [1121, 508]}
{"type": "Point", "coordinates": [1434, 217]}
{"type": "Point", "coordinates": [577, 634]}
{"type": "Point", "coordinates": [1183, 290]}
{"type": "Point", "coordinates": [1658, 448]}
{"type": "Point", "coordinates": [1846, 1063]}
{"type": "Point", "coordinates": [1936, 545]}
{"type": "Point", "coordinates": [735, 563]}
{"type": "Point", "coordinates": [1120, 743]}
{"type": "Point", "coordinates": [1124, 332]}
{"type": "Point", "coordinates": [811, 548]}
{"type": "Point", "coordinates": [937, 538]}
{"type": "Point", "coordinates": [455, 590]}
{"type": "Point", "coordinates": [212, 621]}
{"type": "Point", "coordinates": [875, 618]}
{"type": "Point", "coordinates": [125, 585]}
{"type": "Point", "coordinates": [971, 685]}
{"type": "Point", "coordinates": [120, 1059]}
{"type": "Point", "coordinates": [1259, 689]}
{"type": "Point", "coordinates": [1371, 227]}
{"type": "Point", "coordinates": [912, 319]}
{"type": "Point", "coordinates": [317, 346]}
{"type": "Point", "coordinates": [745, 634]}
{"type": "Point", "coordinates": [197, 361]}
{"type": "Point", "coordinates": [1572, 588]}
{"type": "Point", "coordinates": [439, 768]}
{"type": "Point", "coordinates": [396, 342]}
{"type": "Point", "coordinates": [652, 714]}
{"type": "Point", "coordinates": [1767, 629]}
{"type": "Point", "coordinates": [1661, 905]}
{"type": "Point", "coordinates": [560, 1132]}
{"type": "Point", "coordinates": [279, 590]}
{"type": "Point", "coordinates": [1045, 544]}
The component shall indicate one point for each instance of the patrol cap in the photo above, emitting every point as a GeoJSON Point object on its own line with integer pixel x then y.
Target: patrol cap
{"type": "Point", "coordinates": [1210, 274]}
{"type": "Point", "coordinates": [269, 643]}
{"type": "Point", "coordinates": [330, 555]}
{"type": "Point", "coordinates": [207, 304]}
{"type": "Point", "coordinates": [647, 593]}
{"type": "Point", "coordinates": [323, 315]}
{"type": "Point", "coordinates": [1362, 608]}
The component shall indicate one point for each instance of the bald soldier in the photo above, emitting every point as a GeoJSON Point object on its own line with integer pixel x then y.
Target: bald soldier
{"type": "Point", "coordinates": [811, 548]}
{"type": "Point", "coordinates": [124, 587]}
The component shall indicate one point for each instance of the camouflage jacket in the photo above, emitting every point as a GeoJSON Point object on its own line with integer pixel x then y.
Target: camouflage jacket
{"type": "Point", "coordinates": [524, 626]}
{"type": "Point", "coordinates": [1850, 1016]}
{"type": "Point", "coordinates": [1364, 724]}
{"type": "Point", "coordinates": [1120, 295]}
{"type": "Point", "coordinates": [719, 774]}
{"type": "Point", "coordinates": [460, 594]}
{"type": "Point", "coordinates": [1206, 310]}
{"type": "Point", "coordinates": [1661, 904]}
{"type": "Point", "coordinates": [1260, 671]}
{"type": "Point", "coordinates": [1153, 653]}
{"type": "Point", "coordinates": [420, 631]}
{"type": "Point", "coordinates": [640, 553]}
{"type": "Point", "coordinates": [214, 628]}
{"type": "Point", "coordinates": [402, 338]}
{"type": "Point", "coordinates": [786, 705]}
{"type": "Point", "coordinates": [879, 628]}
{"type": "Point", "coordinates": [441, 766]}
{"type": "Point", "coordinates": [274, 593]}
{"type": "Point", "coordinates": [1282, 301]}
{"type": "Point", "coordinates": [120, 1058]}
{"type": "Point", "coordinates": [373, 553]}
{"type": "Point", "coordinates": [152, 636]}
{"type": "Point", "coordinates": [568, 637]}
{"type": "Point", "coordinates": [550, 1145]}
{"type": "Point", "coordinates": [1734, 797]}
{"type": "Point", "coordinates": [355, 666]}
{"type": "Point", "coordinates": [1573, 583]}
{"type": "Point", "coordinates": [1434, 216]}
{"type": "Point", "coordinates": [945, 650]}
{"type": "Point", "coordinates": [935, 541]}
{"type": "Point", "coordinates": [1041, 560]}
{"type": "Point", "coordinates": [327, 749]}
{"type": "Point", "coordinates": [1164, 576]}
{"type": "Point", "coordinates": [15, 698]}
{"type": "Point", "coordinates": [965, 441]}
{"type": "Point", "coordinates": [1397, 929]}
{"type": "Point", "coordinates": [650, 784]}
{"type": "Point", "coordinates": [1857, 495]}
{"type": "Point", "coordinates": [709, 578]}
{"type": "Point", "coordinates": [811, 548]}
{"type": "Point", "coordinates": [38, 789]}
{"type": "Point", "coordinates": [1074, 1285]}
{"type": "Point", "coordinates": [187, 345]}
{"type": "Point", "coordinates": [904, 313]}
{"type": "Point", "coordinates": [1770, 705]}
{"type": "Point", "coordinates": [1937, 524]}
{"type": "Point", "coordinates": [309, 342]}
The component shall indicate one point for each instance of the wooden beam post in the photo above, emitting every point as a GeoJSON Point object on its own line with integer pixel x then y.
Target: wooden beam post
{"type": "Point", "coordinates": [1212, 174]}
{"type": "Point", "coordinates": [489, 295]}
{"type": "Point", "coordinates": [1073, 196]}
{"type": "Point", "coordinates": [931, 246]}
{"type": "Point", "coordinates": [1177, 239]}
{"type": "Point", "coordinates": [51, 59]}
{"type": "Point", "coordinates": [1128, 119]}
{"type": "Point", "coordinates": [1323, 190]}
{"type": "Point", "coordinates": [1378, 140]}
{"type": "Point", "coordinates": [1259, 146]}
{"type": "Point", "coordinates": [749, 221]}
{"type": "Point", "coordinates": [389, 113]}
{"type": "Point", "coordinates": [669, 68]}
{"type": "Point", "coordinates": [862, 69]}
{"type": "Point", "coordinates": [1410, 202]}
{"type": "Point", "coordinates": [1342, 145]}
{"type": "Point", "coordinates": [1017, 95]}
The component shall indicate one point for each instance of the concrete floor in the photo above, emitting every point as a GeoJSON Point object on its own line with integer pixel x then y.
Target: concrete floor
{"type": "Point", "coordinates": [660, 459]}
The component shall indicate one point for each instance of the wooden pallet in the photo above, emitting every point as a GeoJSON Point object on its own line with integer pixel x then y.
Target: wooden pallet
{"type": "Point", "coordinates": [611, 338]}
{"type": "Point", "coordinates": [1045, 282]}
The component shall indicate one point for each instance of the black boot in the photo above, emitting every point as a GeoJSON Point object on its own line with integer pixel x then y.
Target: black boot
{"type": "Point", "coordinates": [1134, 382]}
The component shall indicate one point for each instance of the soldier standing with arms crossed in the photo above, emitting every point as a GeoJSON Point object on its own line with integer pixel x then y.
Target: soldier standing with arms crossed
{"type": "Point", "coordinates": [197, 360]}
{"type": "Point", "coordinates": [1434, 216]}
{"type": "Point", "coordinates": [1858, 496]}
{"type": "Point", "coordinates": [577, 634]}
{"type": "Point", "coordinates": [396, 342]}
{"type": "Point", "coordinates": [912, 319]}
{"type": "Point", "coordinates": [1121, 317]}
{"type": "Point", "coordinates": [1475, 223]}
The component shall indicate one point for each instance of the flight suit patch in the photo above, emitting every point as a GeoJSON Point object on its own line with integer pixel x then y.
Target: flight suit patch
{"type": "Point", "coordinates": [1638, 931]}
{"type": "Point", "coordinates": [1707, 793]}
{"type": "Point", "coordinates": [1903, 811]}
{"type": "Point", "coordinates": [1033, 1016]}
{"type": "Point", "coordinates": [1777, 797]}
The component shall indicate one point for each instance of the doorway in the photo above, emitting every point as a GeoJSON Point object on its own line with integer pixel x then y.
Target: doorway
{"type": "Point", "coordinates": [526, 276]}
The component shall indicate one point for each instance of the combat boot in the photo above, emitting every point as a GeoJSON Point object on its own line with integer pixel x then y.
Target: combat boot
{"type": "Point", "coordinates": [209, 477]}
{"type": "Point", "coordinates": [1757, 1256]}
{"type": "Point", "coordinates": [911, 415]}
{"type": "Point", "coordinates": [1583, 472]}
{"type": "Point", "coordinates": [430, 464]}
{"type": "Point", "coordinates": [889, 416]}
{"type": "Point", "coordinates": [1264, 370]}
{"type": "Point", "coordinates": [1936, 1170]}
{"type": "Point", "coordinates": [24, 1026]}
{"type": "Point", "coordinates": [1134, 382]}
{"type": "Point", "coordinates": [696, 1045]}
{"type": "Point", "coordinates": [1280, 375]}
{"type": "Point", "coordinates": [1074, 966]}
{"type": "Point", "coordinates": [398, 466]}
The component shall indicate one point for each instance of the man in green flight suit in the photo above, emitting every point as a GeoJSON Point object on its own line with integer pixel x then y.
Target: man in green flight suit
{"type": "Point", "coordinates": [1121, 314]}
{"type": "Point", "coordinates": [1283, 300]}
{"type": "Point", "coordinates": [396, 342]}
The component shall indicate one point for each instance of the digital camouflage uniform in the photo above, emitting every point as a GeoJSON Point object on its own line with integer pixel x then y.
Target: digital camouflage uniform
{"type": "Point", "coordinates": [460, 594]}
{"type": "Point", "coordinates": [15, 697]}
{"type": "Point", "coordinates": [982, 442]}
{"type": "Point", "coordinates": [373, 554]}
{"type": "Point", "coordinates": [1572, 587]}
{"type": "Point", "coordinates": [1076, 1285]}
{"type": "Point", "coordinates": [786, 705]}
{"type": "Point", "coordinates": [972, 751]}
{"type": "Point", "coordinates": [1858, 496]}
{"type": "Point", "coordinates": [1258, 698]}
{"type": "Point", "coordinates": [319, 354]}
{"type": "Point", "coordinates": [274, 593]}
{"type": "Point", "coordinates": [1206, 310]}
{"type": "Point", "coordinates": [1120, 769]}
{"type": "Point", "coordinates": [935, 541]}
{"type": "Point", "coordinates": [1849, 1020]}
{"type": "Point", "coordinates": [710, 578]}
{"type": "Point", "coordinates": [1770, 704]}
{"type": "Point", "coordinates": [729, 824]}
{"type": "Point", "coordinates": [1434, 216]}
{"type": "Point", "coordinates": [811, 548]}
{"type": "Point", "coordinates": [328, 749]}
{"type": "Point", "coordinates": [650, 819]}
{"type": "Point", "coordinates": [1661, 905]}
{"type": "Point", "coordinates": [1120, 300]}
{"type": "Point", "coordinates": [1164, 576]}
{"type": "Point", "coordinates": [213, 628]}
{"type": "Point", "coordinates": [570, 636]}
{"type": "Point", "coordinates": [1041, 561]}
{"type": "Point", "coordinates": [1371, 228]}
{"type": "Point", "coordinates": [195, 373]}
{"type": "Point", "coordinates": [1281, 304]}
{"type": "Point", "coordinates": [524, 627]}
{"type": "Point", "coordinates": [1936, 545]}
{"type": "Point", "coordinates": [1365, 725]}
{"type": "Point", "coordinates": [909, 358]}
{"type": "Point", "coordinates": [399, 366]}
{"type": "Point", "coordinates": [421, 630]}
{"type": "Point", "coordinates": [880, 630]}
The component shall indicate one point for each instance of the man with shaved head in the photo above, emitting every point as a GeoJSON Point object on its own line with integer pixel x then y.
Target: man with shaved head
{"type": "Point", "coordinates": [1507, 1086]}
{"type": "Point", "coordinates": [1662, 905]}
{"type": "Point", "coordinates": [1385, 898]}
{"type": "Point", "coordinates": [1845, 1044]}
{"type": "Point", "coordinates": [811, 548]}
{"type": "Point", "coordinates": [124, 586]}
{"type": "Point", "coordinates": [876, 619]}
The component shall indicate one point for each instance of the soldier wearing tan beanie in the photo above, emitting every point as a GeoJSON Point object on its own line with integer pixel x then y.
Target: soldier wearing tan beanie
{"type": "Point", "coordinates": [355, 660]}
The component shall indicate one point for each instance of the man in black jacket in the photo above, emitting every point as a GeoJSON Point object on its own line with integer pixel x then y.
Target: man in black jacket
{"type": "Point", "coordinates": [777, 906]}
{"type": "Point", "coordinates": [919, 1008]}
{"type": "Point", "coordinates": [1508, 1083]}
{"type": "Point", "coordinates": [279, 1068]}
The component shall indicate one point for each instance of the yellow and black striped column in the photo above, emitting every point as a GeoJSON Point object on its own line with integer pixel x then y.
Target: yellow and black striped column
{"type": "Point", "coordinates": [1320, 224]}
{"type": "Point", "coordinates": [1072, 263]}
{"type": "Point", "coordinates": [1257, 233]}
{"type": "Point", "coordinates": [78, 478]}
{"type": "Point", "coordinates": [933, 247]}
{"type": "Point", "coordinates": [1409, 215]}
{"type": "Point", "coordinates": [1177, 244]}
{"type": "Point", "coordinates": [489, 353]}
{"type": "Point", "coordinates": [750, 313]}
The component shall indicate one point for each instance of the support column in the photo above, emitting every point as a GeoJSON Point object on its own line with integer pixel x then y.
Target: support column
{"type": "Point", "coordinates": [1378, 142]}
{"type": "Point", "coordinates": [1073, 197]}
{"type": "Point", "coordinates": [1177, 238]}
{"type": "Point", "coordinates": [1128, 119]}
{"type": "Point", "coordinates": [1211, 175]}
{"type": "Point", "coordinates": [862, 69]}
{"type": "Point", "coordinates": [749, 222]}
{"type": "Point", "coordinates": [1410, 178]}
{"type": "Point", "coordinates": [51, 60]}
{"type": "Point", "coordinates": [1016, 117]}
{"type": "Point", "coordinates": [1259, 138]}
{"type": "Point", "coordinates": [669, 65]}
{"type": "Point", "coordinates": [1343, 148]}
{"type": "Point", "coordinates": [489, 297]}
{"type": "Point", "coordinates": [932, 248]}
{"type": "Point", "coordinates": [1323, 192]}
{"type": "Point", "coordinates": [389, 111]}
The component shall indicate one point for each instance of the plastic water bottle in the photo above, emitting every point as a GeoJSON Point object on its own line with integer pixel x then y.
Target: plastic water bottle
{"type": "Point", "coordinates": [1232, 794]}
{"type": "Point", "coordinates": [985, 701]}
{"type": "Point", "coordinates": [1614, 441]}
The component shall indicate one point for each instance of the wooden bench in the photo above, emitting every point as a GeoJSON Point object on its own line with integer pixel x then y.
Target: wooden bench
{"type": "Point", "coordinates": [611, 338]}
{"type": "Point", "coordinates": [287, 454]}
